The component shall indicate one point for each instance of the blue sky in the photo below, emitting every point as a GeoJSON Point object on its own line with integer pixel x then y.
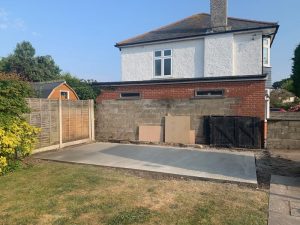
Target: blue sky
{"type": "Point", "coordinates": [80, 35]}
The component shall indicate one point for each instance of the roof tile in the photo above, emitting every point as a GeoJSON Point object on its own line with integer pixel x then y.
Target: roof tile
{"type": "Point", "coordinates": [196, 25]}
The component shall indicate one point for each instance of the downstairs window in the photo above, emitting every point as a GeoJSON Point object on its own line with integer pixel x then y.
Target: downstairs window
{"type": "Point", "coordinates": [130, 95]}
{"type": "Point", "coordinates": [209, 93]}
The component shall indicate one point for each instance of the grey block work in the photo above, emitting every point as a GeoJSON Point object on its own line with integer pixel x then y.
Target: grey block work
{"type": "Point", "coordinates": [284, 206]}
{"type": "Point", "coordinates": [284, 131]}
{"type": "Point", "coordinates": [120, 119]}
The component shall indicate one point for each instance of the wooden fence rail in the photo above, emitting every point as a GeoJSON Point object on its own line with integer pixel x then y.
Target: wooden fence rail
{"type": "Point", "coordinates": [62, 122]}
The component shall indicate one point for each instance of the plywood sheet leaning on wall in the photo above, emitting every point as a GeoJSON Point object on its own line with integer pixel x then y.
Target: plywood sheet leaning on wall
{"type": "Point", "coordinates": [192, 137]}
{"type": "Point", "coordinates": [151, 134]}
{"type": "Point", "coordinates": [177, 129]}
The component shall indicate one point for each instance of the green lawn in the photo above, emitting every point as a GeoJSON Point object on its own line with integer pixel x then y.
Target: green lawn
{"type": "Point", "coordinates": [54, 193]}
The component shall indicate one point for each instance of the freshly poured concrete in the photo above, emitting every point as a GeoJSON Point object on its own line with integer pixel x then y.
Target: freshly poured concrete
{"type": "Point", "coordinates": [208, 164]}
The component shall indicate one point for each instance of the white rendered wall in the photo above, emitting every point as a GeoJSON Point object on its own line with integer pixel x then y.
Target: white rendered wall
{"type": "Point", "coordinates": [218, 55]}
{"type": "Point", "coordinates": [212, 56]}
{"type": "Point", "coordinates": [187, 60]}
{"type": "Point", "coordinates": [248, 54]}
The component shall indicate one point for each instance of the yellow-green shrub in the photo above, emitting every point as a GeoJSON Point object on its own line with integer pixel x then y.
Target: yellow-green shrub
{"type": "Point", "coordinates": [3, 164]}
{"type": "Point", "coordinates": [17, 140]}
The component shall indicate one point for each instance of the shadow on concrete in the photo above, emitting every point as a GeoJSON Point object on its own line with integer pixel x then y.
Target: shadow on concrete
{"type": "Point", "coordinates": [231, 165]}
{"type": "Point", "coordinates": [269, 164]}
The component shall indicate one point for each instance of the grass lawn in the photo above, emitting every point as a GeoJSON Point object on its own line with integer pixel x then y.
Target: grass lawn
{"type": "Point", "coordinates": [55, 193]}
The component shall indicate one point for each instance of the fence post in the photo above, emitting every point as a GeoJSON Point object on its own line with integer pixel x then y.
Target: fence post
{"type": "Point", "coordinates": [60, 123]}
{"type": "Point", "coordinates": [93, 119]}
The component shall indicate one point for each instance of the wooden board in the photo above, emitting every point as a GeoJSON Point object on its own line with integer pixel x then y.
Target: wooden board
{"type": "Point", "coordinates": [151, 133]}
{"type": "Point", "coordinates": [177, 129]}
{"type": "Point", "coordinates": [192, 137]}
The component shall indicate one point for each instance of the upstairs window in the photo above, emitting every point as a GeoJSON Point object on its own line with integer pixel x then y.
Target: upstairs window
{"type": "Point", "coordinates": [162, 63]}
{"type": "Point", "coordinates": [266, 52]}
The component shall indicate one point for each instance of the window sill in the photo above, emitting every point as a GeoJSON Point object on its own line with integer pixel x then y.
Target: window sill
{"type": "Point", "coordinates": [128, 99]}
{"type": "Point", "coordinates": [163, 77]}
{"type": "Point", "coordinates": [207, 98]}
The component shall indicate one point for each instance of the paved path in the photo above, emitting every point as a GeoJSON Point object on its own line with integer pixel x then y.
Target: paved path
{"type": "Point", "coordinates": [284, 206]}
{"type": "Point", "coordinates": [209, 164]}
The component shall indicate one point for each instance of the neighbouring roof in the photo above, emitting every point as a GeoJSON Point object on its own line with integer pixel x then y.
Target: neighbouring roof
{"type": "Point", "coordinates": [182, 80]}
{"type": "Point", "coordinates": [44, 89]}
{"type": "Point", "coordinates": [196, 25]}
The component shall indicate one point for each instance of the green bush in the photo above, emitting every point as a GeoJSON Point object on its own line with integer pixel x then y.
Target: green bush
{"type": "Point", "coordinates": [17, 137]}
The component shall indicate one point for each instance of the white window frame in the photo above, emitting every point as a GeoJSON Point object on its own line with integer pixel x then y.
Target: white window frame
{"type": "Point", "coordinates": [68, 94]}
{"type": "Point", "coordinates": [162, 58]}
{"type": "Point", "coordinates": [267, 46]}
{"type": "Point", "coordinates": [210, 95]}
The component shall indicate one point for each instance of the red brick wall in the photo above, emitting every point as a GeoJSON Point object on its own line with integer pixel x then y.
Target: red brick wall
{"type": "Point", "coordinates": [251, 94]}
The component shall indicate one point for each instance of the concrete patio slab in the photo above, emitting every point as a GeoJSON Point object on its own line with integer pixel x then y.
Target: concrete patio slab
{"type": "Point", "coordinates": [206, 164]}
{"type": "Point", "coordinates": [284, 206]}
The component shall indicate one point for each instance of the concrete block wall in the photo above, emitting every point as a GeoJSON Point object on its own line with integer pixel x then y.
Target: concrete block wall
{"type": "Point", "coordinates": [119, 119]}
{"type": "Point", "coordinates": [284, 131]}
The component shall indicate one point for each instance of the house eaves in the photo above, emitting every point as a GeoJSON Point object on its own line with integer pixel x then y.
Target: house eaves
{"type": "Point", "coordinates": [262, 77]}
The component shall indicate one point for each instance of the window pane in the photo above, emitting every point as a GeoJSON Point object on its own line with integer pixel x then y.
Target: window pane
{"type": "Point", "coordinates": [158, 67]}
{"type": "Point", "coordinates": [157, 53]}
{"type": "Point", "coordinates": [167, 69]}
{"type": "Point", "coordinates": [266, 56]}
{"type": "Point", "coordinates": [167, 53]}
{"type": "Point", "coordinates": [64, 95]}
{"type": "Point", "coordinates": [210, 93]}
{"type": "Point", "coordinates": [130, 95]}
{"type": "Point", "coordinates": [266, 42]}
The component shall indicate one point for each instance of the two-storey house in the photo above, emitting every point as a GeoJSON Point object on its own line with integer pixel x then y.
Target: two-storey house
{"type": "Point", "coordinates": [206, 61]}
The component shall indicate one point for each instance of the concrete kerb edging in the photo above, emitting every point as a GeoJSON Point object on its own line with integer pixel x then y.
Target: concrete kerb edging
{"type": "Point", "coordinates": [158, 145]}
{"type": "Point", "coordinates": [161, 175]}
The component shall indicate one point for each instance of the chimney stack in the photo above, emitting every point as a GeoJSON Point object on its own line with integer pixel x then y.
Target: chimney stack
{"type": "Point", "coordinates": [218, 12]}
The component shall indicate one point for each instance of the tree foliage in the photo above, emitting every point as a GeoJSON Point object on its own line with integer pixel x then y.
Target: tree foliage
{"type": "Point", "coordinates": [296, 71]}
{"type": "Point", "coordinates": [32, 68]}
{"type": "Point", "coordinates": [287, 84]}
{"type": "Point", "coordinates": [83, 88]}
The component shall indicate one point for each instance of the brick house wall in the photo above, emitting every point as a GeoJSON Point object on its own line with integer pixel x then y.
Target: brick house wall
{"type": "Point", "coordinates": [119, 118]}
{"type": "Point", "coordinates": [251, 94]}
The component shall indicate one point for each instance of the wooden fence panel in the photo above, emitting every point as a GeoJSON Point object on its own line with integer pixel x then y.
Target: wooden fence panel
{"type": "Point", "coordinates": [44, 115]}
{"type": "Point", "coordinates": [75, 120]}
{"type": "Point", "coordinates": [62, 122]}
